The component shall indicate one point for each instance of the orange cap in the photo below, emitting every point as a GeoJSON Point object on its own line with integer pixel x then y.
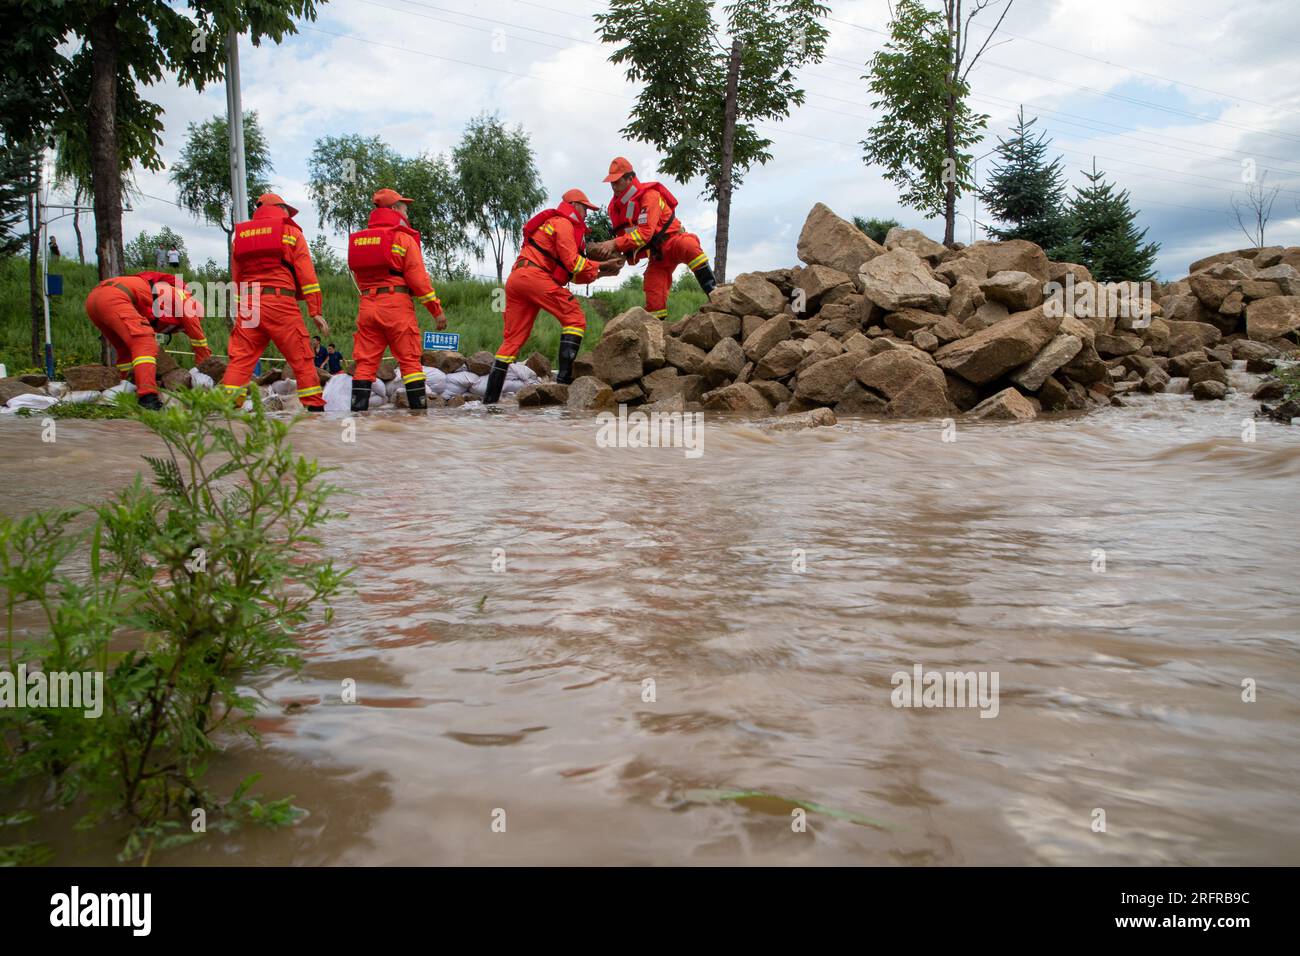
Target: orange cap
{"type": "Point", "coordinates": [619, 168]}
{"type": "Point", "coordinates": [273, 199]}
{"type": "Point", "coordinates": [577, 195]}
{"type": "Point", "coordinates": [389, 197]}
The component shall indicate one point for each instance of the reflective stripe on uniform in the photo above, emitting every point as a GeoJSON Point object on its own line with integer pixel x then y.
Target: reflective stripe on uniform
{"type": "Point", "coordinates": [660, 313]}
{"type": "Point", "coordinates": [309, 289]}
{"type": "Point", "coordinates": [701, 260]}
{"type": "Point", "coordinates": [414, 376]}
{"type": "Point", "coordinates": [428, 297]}
{"type": "Point", "coordinates": [579, 264]}
{"type": "Point", "coordinates": [505, 358]}
{"type": "Point", "coordinates": [636, 237]}
{"type": "Point", "coordinates": [573, 330]}
{"type": "Point", "coordinates": [289, 240]}
{"type": "Point", "coordinates": [144, 360]}
{"type": "Point", "coordinates": [203, 343]}
{"type": "Point", "coordinates": [399, 250]}
{"type": "Point", "coordinates": [314, 390]}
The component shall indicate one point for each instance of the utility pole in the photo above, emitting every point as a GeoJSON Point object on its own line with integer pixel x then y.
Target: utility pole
{"type": "Point", "coordinates": [235, 124]}
{"type": "Point", "coordinates": [728, 154]}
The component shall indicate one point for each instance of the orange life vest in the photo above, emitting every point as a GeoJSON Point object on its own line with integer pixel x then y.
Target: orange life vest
{"type": "Point", "coordinates": [629, 210]}
{"type": "Point", "coordinates": [259, 243]}
{"type": "Point", "coordinates": [371, 255]}
{"type": "Point", "coordinates": [565, 210]}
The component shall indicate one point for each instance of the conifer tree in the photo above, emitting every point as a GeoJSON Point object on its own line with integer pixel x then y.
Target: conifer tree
{"type": "Point", "coordinates": [1104, 235]}
{"type": "Point", "coordinates": [1025, 192]}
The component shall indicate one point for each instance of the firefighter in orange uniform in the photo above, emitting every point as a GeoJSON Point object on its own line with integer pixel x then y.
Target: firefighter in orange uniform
{"type": "Point", "coordinates": [644, 216]}
{"type": "Point", "coordinates": [553, 255]}
{"type": "Point", "coordinates": [385, 257]}
{"type": "Point", "coordinates": [130, 310]}
{"type": "Point", "coordinates": [270, 252]}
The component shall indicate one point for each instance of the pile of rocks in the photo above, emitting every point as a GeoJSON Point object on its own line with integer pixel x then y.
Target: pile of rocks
{"type": "Point", "coordinates": [913, 329]}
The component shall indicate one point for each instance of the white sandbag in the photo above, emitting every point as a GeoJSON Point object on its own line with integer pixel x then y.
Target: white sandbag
{"type": "Point", "coordinates": [511, 386]}
{"type": "Point", "coordinates": [378, 387]}
{"type": "Point", "coordinates": [479, 388]}
{"type": "Point", "coordinates": [84, 397]}
{"type": "Point", "coordinates": [458, 383]}
{"type": "Point", "coordinates": [32, 400]}
{"type": "Point", "coordinates": [434, 380]}
{"type": "Point", "coordinates": [521, 373]}
{"type": "Point", "coordinates": [285, 386]}
{"type": "Point", "coordinates": [200, 380]}
{"type": "Point", "coordinates": [120, 387]}
{"type": "Point", "coordinates": [57, 389]}
{"type": "Point", "coordinates": [338, 393]}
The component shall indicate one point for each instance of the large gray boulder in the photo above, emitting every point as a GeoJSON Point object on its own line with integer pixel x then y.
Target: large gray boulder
{"type": "Point", "coordinates": [912, 388]}
{"type": "Point", "coordinates": [828, 240]}
{"type": "Point", "coordinates": [1053, 355]}
{"type": "Point", "coordinates": [1268, 319]}
{"type": "Point", "coordinates": [988, 354]}
{"type": "Point", "coordinates": [899, 279]}
{"type": "Point", "coordinates": [751, 294]}
{"type": "Point", "coordinates": [616, 358]}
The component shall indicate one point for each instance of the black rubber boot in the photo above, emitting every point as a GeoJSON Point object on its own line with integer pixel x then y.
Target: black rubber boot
{"type": "Point", "coordinates": [416, 396]}
{"type": "Point", "coordinates": [569, 345]}
{"type": "Point", "coordinates": [496, 382]}
{"type": "Point", "coordinates": [704, 276]}
{"type": "Point", "coordinates": [360, 396]}
{"type": "Point", "coordinates": [150, 401]}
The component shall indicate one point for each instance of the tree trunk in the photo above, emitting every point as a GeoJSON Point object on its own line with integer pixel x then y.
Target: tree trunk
{"type": "Point", "coordinates": [101, 128]}
{"type": "Point", "coordinates": [76, 226]}
{"type": "Point", "coordinates": [950, 171]}
{"type": "Point", "coordinates": [33, 267]}
{"type": "Point", "coordinates": [728, 154]}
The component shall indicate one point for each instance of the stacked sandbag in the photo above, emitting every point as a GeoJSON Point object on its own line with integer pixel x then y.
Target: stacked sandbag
{"type": "Point", "coordinates": [914, 329]}
{"type": "Point", "coordinates": [87, 384]}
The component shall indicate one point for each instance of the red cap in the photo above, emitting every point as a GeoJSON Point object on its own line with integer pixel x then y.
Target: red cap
{"type": "Point", "coordinates": [577, 195]}
{"type": "Point", "coordinates": [272, 199]}
{"type": "Point", "coordinates": [387, 198]}
{"type": "Point", "coordinates": [619, 168]}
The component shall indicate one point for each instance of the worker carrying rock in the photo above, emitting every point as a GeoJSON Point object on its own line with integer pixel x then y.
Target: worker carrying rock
{"type": "Point", "coordinates": [553, 254]}
{"type": "Point", "coordinates": [270, 255]}
{"type": "Point", "coordinates": [644, 216]}
{"type": "Point", "coordinates": [385, 257]}
{"type": "Point", "coordinates": [131, 310]}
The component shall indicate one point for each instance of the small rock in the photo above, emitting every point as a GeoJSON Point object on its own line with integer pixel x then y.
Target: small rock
{"type": "Point", "coordinates": [1209, 389]}
{"type": "Point", "coordinates": [1007, 405]}
{"type": "Point", "coordinates": [542, 393]}
{"type": "Point", "coordinates": [588, 394]}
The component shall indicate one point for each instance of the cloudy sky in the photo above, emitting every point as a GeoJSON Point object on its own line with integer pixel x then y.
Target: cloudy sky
{"type": "Point", "coordinates": [1176, 99]}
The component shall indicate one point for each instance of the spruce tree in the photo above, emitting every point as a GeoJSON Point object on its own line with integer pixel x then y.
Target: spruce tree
{"type": "Point", "coordinates": [1103, 234]}
{"type": "Point", "coordinates": [1025, 191]}
{"type": "Point", "coordinates": [17, 166]}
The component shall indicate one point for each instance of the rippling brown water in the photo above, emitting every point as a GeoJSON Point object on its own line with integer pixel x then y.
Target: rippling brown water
{"type": "Point", "coordinates": [523, 690]}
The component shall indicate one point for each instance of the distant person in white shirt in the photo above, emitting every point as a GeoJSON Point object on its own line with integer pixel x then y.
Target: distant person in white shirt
{"type": "Point", "coordinates": [174, 258]}
{"type": "Point", "coordinates": [160, 257]}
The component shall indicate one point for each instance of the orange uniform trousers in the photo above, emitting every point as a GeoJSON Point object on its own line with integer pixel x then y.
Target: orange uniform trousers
{"type": "Point", "coordinates": [387, 320]}
{"type": "Point", "coordinates": [675, 250]}
{"type": "Point", "coordinates": [529, 290]}
{"type": "Point", "coordinates": [113, 312]}
{"type": "Point", "coordinates": [276, 320]}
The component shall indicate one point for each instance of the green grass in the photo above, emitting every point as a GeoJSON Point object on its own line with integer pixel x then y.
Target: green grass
{"type": "Point", "coordinates": [469, 307]}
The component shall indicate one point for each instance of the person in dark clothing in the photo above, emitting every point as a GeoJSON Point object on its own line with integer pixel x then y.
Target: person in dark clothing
{"type": "Point", "coordinates": [335, 359]}
{"type": "Point", "coordinates": [321, 355]}
{"type": "Point", "coordinates": [54, 248]}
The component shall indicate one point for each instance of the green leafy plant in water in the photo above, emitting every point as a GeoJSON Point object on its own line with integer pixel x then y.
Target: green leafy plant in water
{"type": "Point", "coordinates": [176, 592]}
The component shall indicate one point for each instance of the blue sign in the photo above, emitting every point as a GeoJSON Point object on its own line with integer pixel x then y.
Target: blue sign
{"type": "Point", "coordinates": [53, 284]}
{"type": "Point", "coordinates": [446, 341]}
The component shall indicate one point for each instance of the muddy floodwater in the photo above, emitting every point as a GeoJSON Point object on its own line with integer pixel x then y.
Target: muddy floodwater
{"type": "Point", "coordinates": [1122, 573]}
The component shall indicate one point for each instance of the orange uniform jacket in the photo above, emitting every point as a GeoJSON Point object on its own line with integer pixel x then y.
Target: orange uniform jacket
{"type": "Point", "coordinates": [277, 276]}
{"type": "Point", "coordinates": [556, 237]}
{"type": "Point", "coordinates": [635, 241]}
{"type": "Point", "coordinates": [175, 309]}
{"type": "Point", "coordinates": [414, 275]}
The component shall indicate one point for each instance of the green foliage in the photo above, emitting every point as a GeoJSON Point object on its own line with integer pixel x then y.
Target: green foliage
{"type": "Point", "coordinates": [1026, 191]}
{"type": "Point", "coordinates": [327, 261]}
{"type": "Point", "coordinates": [877, 229]}
{"type": "Point", "coordinates": [1103, 234]}
{"type": "Point", "coordinates": [677, 58]}
{"type": "Point", "coordinates": [345, 172]}
{"type": "Point", "coordinates": [599, 228]}
{"type": "Point", "coordinates": [910, 77]}
{"type": "Point", "coordinates": [17, 169]}
{"type": "Point", "coordinates": [176, 593]}
{"type": "Point", "coordinates": [499, 183]}
{"type": "Point", "coordinates": [142, 252]}
{"type": "Point", "coordinates": [202, 173]}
